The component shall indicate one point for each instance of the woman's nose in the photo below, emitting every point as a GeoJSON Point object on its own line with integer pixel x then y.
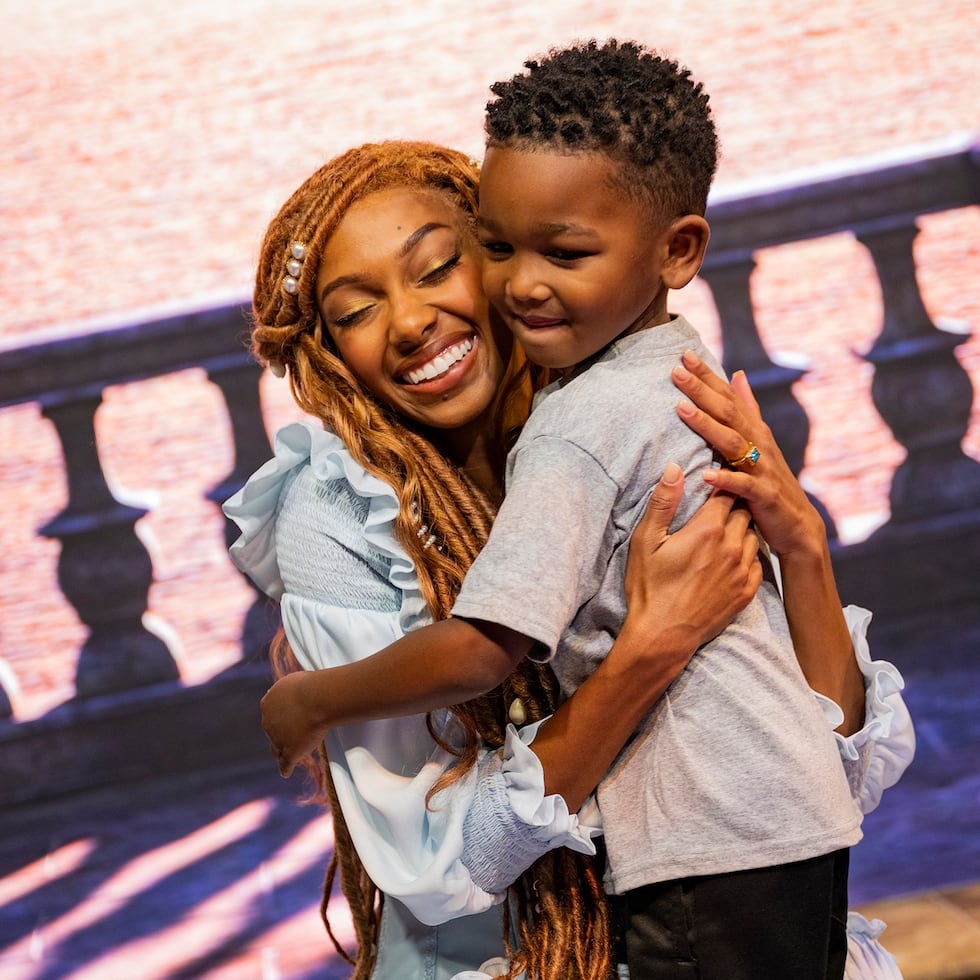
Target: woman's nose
{"type": "Point", "coordinates": [411, 319]}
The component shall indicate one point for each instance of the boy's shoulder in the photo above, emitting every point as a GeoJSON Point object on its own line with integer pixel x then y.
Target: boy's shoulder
{"type": "Point", "coordinates": [628, 389]}
{"type": "Point", "coordinates": [634, 366]}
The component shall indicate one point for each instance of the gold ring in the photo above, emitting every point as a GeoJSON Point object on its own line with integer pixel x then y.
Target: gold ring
{"type": "Point", "coordinates": [748, 459]}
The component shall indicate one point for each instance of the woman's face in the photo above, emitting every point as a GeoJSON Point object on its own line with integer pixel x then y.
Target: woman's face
{"type": "Point", "coordinates": [399, 290]}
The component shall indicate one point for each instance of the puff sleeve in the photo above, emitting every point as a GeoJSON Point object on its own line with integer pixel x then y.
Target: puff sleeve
{"type": "Point", "coordinates": [318, 534]}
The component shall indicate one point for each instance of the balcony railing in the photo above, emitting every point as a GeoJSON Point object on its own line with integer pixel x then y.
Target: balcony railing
{"type": "Point", "coordinates": [920, 391]}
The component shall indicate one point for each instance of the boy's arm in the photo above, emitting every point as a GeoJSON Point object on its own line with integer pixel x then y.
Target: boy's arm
{"type": "Point", "coordinates": [682, 590]}
{"type": "Point", "coordinates": [446, 663]}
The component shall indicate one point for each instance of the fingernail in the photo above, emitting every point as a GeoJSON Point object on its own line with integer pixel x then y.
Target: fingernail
{"type": "Point", "coordinates": [680, 372]}
{"type": "Point", "coordinates": [672, 473]}
{"type": "Point", "coordinates": [685, 408]}
{"type": "Point", "coordinates": [690, 358]}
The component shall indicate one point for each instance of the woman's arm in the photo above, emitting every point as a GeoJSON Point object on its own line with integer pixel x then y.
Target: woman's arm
{"type": "Point", "coordinates": [682, 590]}
{"type": "Point", "coordinates": [728, 417]}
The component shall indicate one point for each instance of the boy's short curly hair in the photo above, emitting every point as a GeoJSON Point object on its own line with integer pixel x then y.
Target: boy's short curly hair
{"type": "Point", "coordinates": [645, 112]}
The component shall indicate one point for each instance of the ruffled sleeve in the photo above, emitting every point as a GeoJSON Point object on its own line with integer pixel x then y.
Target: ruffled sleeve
{"type": "Point", "coordinates": [511, 822]}
{"type": "Point", "coordinates": [256, 509]}
{"type": "Point", "coordinates": [875, 756]}
{"type": "Point", "coordinates": [313, 522]}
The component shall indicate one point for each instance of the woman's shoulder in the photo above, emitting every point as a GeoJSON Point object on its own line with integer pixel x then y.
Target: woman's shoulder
{"type": "Point", "coordinates": [313, 496]}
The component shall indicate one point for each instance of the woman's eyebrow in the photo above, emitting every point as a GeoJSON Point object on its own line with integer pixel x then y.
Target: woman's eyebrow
{"type": "Point", "coordinates": [338, 282]}
{"type": "Point", "coordinates": [407, 247]}
{"type": "Point", "coordinates": [418, 235]}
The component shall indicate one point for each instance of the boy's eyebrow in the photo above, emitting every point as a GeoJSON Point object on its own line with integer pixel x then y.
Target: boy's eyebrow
{"type": "Point", "coordinates": [543, 228]}
{"type": "Point", "coordinates": [406, 247]}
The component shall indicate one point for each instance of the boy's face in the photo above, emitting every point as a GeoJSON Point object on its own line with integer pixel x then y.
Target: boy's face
{"type": "Point", "coordinates": [571, 262]}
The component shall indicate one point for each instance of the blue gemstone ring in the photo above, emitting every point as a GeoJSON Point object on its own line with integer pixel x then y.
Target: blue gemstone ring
{"type": "Point", "coordinates": [747, 460]}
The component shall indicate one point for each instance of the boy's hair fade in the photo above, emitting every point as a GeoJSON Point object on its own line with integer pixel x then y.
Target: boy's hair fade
{"type": "Point", "coordinates": [644, 111]}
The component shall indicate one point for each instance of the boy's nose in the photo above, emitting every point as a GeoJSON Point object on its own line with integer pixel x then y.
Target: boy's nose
{"type": "Point", "coordinates": [524, 285]}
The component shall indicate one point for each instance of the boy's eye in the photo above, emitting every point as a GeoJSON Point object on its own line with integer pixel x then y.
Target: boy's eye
{"type": "Point", "coordinates": [441, 270]}
{"type": "Point", "coordinates": [567, 254]}
{"type": "Point", "coordinates": [496, 250]}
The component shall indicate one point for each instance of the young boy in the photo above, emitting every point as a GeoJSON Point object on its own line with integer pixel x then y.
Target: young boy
{"type": "Point", "coordinates": [728, 816]}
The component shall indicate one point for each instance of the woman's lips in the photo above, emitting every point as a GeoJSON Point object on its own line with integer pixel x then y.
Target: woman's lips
{"type": "Point", "coordinates": [437, 366]}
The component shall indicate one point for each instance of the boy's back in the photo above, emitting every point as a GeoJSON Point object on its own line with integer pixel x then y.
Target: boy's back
{"type": "Point", "coordinates": [735, 768]}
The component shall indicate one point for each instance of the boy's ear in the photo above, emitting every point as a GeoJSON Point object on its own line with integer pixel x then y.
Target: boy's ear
{"type": "Point", "coordinates": [685, 241]}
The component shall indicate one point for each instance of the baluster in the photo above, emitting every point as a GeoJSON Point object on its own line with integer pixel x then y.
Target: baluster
{"type": "Point", "coordinates": [104, 570]}
{"type": "Point", "coordinates": [919, 387]}
{"type": "Point", "coordinates": [728, 276]}
{"type": "Point", "coordinates": [7, 684]}
{"type": "Point", "coordinates": [239, 384]}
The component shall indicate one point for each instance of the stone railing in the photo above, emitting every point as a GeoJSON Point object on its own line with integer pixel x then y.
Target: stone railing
{"type": "Point", "coordinates": [919, 389]}
{"type": "Point", "coordinates": [131, 714]}
{"type": "Point", "coordinates": [926, 556]}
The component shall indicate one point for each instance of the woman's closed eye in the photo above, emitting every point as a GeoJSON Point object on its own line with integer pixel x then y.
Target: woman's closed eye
{"type": "Point", "coordinates": [440, 271]}
{"type": "Point", "coordinates": [352, 317]}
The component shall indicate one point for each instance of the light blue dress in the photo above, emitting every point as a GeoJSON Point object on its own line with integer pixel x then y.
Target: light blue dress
{"type": "Point", "coordinates": [318, 535]}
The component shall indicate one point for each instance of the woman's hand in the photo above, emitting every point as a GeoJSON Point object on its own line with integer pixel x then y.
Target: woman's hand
{"type": "Point", "coordinates": [728, 417]}
{"type": "Point", "coordinates": [288, 719]}
{"type": "Point", "coordinates": [693, 582]}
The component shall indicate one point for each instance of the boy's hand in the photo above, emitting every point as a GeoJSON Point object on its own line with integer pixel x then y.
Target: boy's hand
{"type": "Point", "coordinates": [286, 718]}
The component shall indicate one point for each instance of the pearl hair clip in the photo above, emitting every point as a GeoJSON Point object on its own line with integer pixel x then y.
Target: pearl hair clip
{"type": "Point", "coordinates": [423, 530]}
{"type": "Point", "coordinates": [294, 266]}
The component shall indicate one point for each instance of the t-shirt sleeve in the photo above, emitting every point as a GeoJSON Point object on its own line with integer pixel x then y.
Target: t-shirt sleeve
{"type": "Point", "coordinates": [548, 549]}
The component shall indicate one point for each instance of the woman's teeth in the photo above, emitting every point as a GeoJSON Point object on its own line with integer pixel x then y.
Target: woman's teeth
{"type": "Point", "coordinates": [440, 364]}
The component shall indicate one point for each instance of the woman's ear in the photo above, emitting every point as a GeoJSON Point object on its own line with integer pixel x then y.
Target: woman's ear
{"type": "Point", "coordinates": [685, 241]}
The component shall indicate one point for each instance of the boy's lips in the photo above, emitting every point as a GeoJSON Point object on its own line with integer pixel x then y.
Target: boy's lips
{"type": "Point", "coordinates": [538, 322]}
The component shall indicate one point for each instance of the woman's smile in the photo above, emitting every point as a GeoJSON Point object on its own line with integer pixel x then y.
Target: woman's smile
{"type": "Point", "coordinates": [401, 297]}
{"type": "Point", "coordinates": [437, 368]}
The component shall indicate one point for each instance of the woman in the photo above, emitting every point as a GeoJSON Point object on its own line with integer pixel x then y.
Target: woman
{"type": "Point", "coordinates": [368, 293]}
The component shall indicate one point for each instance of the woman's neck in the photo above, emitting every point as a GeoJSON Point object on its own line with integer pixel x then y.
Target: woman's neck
{"type": "Point", "coordinates": [477, 452]}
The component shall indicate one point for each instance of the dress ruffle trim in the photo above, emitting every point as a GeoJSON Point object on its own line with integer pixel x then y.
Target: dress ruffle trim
{"type": "Point", "coordinates": [886, 742]}
{"type": "Point", "coordinates": [867, 959]}
{"type": "Point", "coordinates": [547, 817]}
{"type": "Point", "coordinates": [255, 506]}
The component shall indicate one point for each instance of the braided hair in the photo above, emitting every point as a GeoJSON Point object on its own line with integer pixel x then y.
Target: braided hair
{"type": "Point", "coordinates": [645, 112]}
{"type": "Point", "coordinates": [557, 909]}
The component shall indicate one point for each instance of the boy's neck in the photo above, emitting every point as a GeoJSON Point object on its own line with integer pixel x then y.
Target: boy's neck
{"type": "Point", "coordinates": [655, 315]}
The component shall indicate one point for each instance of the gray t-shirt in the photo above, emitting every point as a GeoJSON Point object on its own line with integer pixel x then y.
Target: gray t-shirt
{"type": "Point", "coordinates": [735, 767]}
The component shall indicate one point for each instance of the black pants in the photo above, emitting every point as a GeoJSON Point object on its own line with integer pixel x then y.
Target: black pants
{"type": "Point", "coordinates": [783, 923]}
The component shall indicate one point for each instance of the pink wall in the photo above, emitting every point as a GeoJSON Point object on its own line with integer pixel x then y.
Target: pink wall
{"type": "Point", "coordinates": [145, 151]}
